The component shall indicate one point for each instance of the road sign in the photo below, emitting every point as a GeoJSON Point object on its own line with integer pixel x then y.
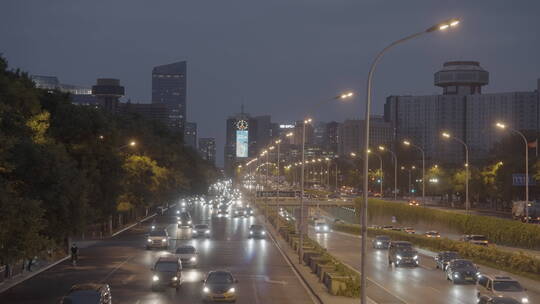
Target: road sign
{"type": "Point", "coordinates": [518, 179]}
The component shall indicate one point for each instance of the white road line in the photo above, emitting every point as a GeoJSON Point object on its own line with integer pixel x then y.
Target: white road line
{"type": "Point", "coordinates": [255, 292]}
{"type": "Point", "coordinates": [116, 268]}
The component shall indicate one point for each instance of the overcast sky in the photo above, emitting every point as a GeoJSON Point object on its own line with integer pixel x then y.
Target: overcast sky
{"type": "Point", "coordinates": [278, 56]}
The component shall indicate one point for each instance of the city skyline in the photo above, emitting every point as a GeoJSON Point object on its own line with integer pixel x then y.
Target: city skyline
{"type": "Point", "coordinates": [223, 74]}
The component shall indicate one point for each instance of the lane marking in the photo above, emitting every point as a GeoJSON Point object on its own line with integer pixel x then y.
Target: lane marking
{"type": "Point", "coordinates": [255, 292]}
{"type": "Point", "coordinates": [116, 268]}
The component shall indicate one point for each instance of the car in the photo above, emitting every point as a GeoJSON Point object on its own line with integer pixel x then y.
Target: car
{"type": "Point", "coordinates": [200, 230]}
{"type": "Point", "coordinates": [158, 238]}
{"type": "Point", "coordinates": [443, 258]}
{"type": "Point", "coordinates": [249, 211]}
{"type": "Point", "coordinates": [238, 212]}
{"type": "Point", "coordinates": [476, 239]}
{"type": "Point", "coordinates": [321, 227]}
{"type": "Point", "coordinates": [461, 271]}
{"type": "Point", "coordinates": [387, 227]}
{"type": "Point", "coordinates": [184, 220]}
{"type": "Point", "coordinates": [167, 272]}
{"type": "Point", "coordinates": [490, 287]}
{"type": "Point", "coordinates": [257, 231]}
{"type": "Point", "coordinates": [381, 242]}
{"type": "Point", "coordinates": [188, 255]}
{"type": "Point", "coordinates": [222, 212]}
{"type": "Point", "coordinates": [414, 203]}
{"type": "Point", "coordinates": [409, 230]}
{"type": "Point", "coordinates": [90, 293]}
{"type": "Point", "coordinates": [402, 253]}
{"type": "Point", "coordinates": [219, 285]}
{"type": "Point", "coordinates": [499, 300]}
{"type": "Point", "coordinates": [432, 234]}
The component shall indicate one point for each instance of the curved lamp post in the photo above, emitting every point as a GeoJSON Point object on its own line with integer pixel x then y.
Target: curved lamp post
{"type": "Point", "coordinates": [408, 143]}
{"type": "Point", "coordinates": [447, 135]}
{"type": "Point", "coordinates": [438, 27]}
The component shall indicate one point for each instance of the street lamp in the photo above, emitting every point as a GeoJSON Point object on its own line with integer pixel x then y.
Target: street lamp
{"type": "Point", "coordinates": [381, 168]}
{"type": "Point", "coordinates": [504, 127]}
{"type": "Point", "coordinates": [449, 136]}
{"type": "Point", "coordinates": [408, 143]}
{"type": "Point", "coordinates": [382, 148]}
{"type": "Point", "coordinates": [130, 144]}
{"type": "Point", "coordinates": [437, 27]}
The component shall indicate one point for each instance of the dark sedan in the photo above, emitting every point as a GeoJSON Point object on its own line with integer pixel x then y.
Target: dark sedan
{"type": "Point", "coordinates": [257, 231]}
{"type": "Point", "coordinates": [461, 271]}
{"type": "Point", "coordinates": [381, 242]}
{"type": "Point", "coordinates": [443, 258]}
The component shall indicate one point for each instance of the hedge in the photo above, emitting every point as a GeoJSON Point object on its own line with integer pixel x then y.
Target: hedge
{"type": "Point", "coordinates": [352, 282]}
{"type": "Point", "coordinates": [500, 231]}
{"type": "Point", "coordinates": [517, 263]}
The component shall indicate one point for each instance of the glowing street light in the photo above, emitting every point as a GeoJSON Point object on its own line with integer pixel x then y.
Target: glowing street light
{"type": "Point", "coordinates": [383, 149]}
{"type": "Point", "coordinates": [504, 127]}
{"type": "Point", "coordinates": [408, 143]}
{"type": "Point", "coordinates": [449, 136]}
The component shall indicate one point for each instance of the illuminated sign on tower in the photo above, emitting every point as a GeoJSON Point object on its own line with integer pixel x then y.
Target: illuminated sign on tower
{"type": "Point", "coordinates": [242, 135]}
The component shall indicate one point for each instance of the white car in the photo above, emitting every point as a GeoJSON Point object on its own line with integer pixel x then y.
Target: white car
{"type": "Point", "coordinates": [188, 255]}
{"type": "Point", "coordinates": [490, 287]}
{"type": "Point", "coordinates": [321, 227]}
{"type": "Point", "coordinates": [201, 230]}
{"type": "Point", "coordinates": [157, 239]}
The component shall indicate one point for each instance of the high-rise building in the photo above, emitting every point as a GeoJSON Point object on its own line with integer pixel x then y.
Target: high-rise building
{"type": "Point", "coordinates": [151, 111]}
{"type": "Point", "coordinates": [169, 86]}
{"type": "Point", "coordinates": [319, 133]}
{"type": "Point", "coordinates": [240, 141]}
{"type": "Point", "coordinates": [463, 110]}
{"type": "Point", "coordinates": [351, 134]}
{"type": "Point", "coordinates": [263, 132]}
{"type": "Point", "coordinates": [207, 149]}
{"type": "Point", "coordinates": [108, 92]}
{"type": "Point", "coordinates": [298, 129]}
{"type": "Point", "coordinates": [190, 134]}
{"type": "Point", "coordinates": [331, 139]}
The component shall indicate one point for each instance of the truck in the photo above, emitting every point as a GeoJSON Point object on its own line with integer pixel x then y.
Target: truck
{"type": "Point", "coordinates": [519, 211]}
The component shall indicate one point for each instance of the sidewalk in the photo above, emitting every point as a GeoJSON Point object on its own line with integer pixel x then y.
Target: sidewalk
{"type": "Point", "coordinates": [43, 265]}
{"type": "Point", "coordinates": [305, 272]}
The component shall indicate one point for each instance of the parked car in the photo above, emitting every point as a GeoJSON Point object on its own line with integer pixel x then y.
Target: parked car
{"type": "Point", "coordinates": [158, 238]}
{"type": "Point", "coordinates": [219, 286]}
{"type": "Point", "coordinates": [92, 293]}
{"type": "Point", "coordinates": [414, 203]}
{"type": "Point", "coordinates": [461, 271]}
{"type": "Point", "coordinates": [491, 287]}
{"type": "Point", "coordinates": [167, 272]}
{"type": "Point", "coordinates": [443, 258]}
{"type": "Point", "coordinates": [402, 253]}
{"type": "Point", "coordinates": [409, 230]}
{"type": "Point", "coordinates": [381, 242]}
{"type": "Point", "coordinates": [475, 239]}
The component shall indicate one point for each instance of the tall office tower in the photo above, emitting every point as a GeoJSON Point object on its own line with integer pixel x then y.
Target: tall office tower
{"type": "Point", "coordinates": [108, 92]}
{"type": "Point", "coordinates": [263, 131]}
{"type": "Point", "coordinates": [190, 134]}
{"type": "Point", "coordinates": [463, 110]}
{"type": "Point", "coordinates": [207, 149]}
{"type": "Point", "coordinates": [351, 134]}
{"type": "Point", "coordinates": [169, 86]}
{"type": "Point", "coordinates": [319, 133]}
{"type": "Point", "coordinates": [240, 141]}
{"type": "Point", "coordinates": [298, 129]}
{"type": "Point", "coordinates": [331, 138]}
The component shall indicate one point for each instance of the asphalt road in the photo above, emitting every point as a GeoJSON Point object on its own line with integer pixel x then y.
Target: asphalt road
{"type": "Point", "coordinates": [122, 262]}
{"type": "Point", "coordinates": [423, 284]}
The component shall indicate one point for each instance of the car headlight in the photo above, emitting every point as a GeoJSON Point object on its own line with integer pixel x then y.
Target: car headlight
{"type": "Point", "coordinates": [456, 275]}
{"type": "Point", "coordinates": [317, 228]}
{"type": "Point", "coordinates": [524, 300]}
{"type": "Point", "coordinates": [263, 233]}
{"type": "Point", "coordinates": [415, 257]}
{"type": "Point", "coordinates": [189, 222]}
{"type": "Point", "coordinates": [155, 278]}
{"type": "Point", "coordinates": [149, 240]}
{"type": "Point", "coordinates": [478, 274]}
{"type": "Point", "coordinates": [193, 259]}
{"type": "Point", "coordinates": [206, 290]}
{"type": "Point", "coordinates": [326, 228]}
{"type": "Point", "coordinates": [164, 240]}
{"type": "Point", "coordinates": [153, 227]}
{"type": "Point", "coordinates": [379, 243]}
{"type": "Point", "coordinates": [251, 232]}
{"type": "Point", "coordinates": [398, 257]}
{"type": "Point", "coordinates": [207, 231]}
{"type": "Point", "coordinates": [175, 278]}
{"type": "Point", "coordinates": [179, 222]}
{"type": "Point", "coordinates": [232, 290]}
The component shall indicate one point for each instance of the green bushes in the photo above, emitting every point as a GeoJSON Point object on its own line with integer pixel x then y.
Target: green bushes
{"type": "Point", "coordinates": [500, 231]}
{"type": "Point", "coordinates": [518, 263]}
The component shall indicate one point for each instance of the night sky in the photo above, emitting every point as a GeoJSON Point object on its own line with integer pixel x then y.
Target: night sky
{"type": "Point", "coordinates": [278, 56]}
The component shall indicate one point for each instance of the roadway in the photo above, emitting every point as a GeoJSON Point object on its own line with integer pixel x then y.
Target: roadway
{"type": "Point", "coordinates": [122, 262]}
{"type": "Point", "coordinates": [423, 284]}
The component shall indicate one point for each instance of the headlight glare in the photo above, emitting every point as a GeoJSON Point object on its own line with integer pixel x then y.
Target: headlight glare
{"type": "Point", "coordinates": [155, 278]}
{"type": "Point", "coordinates": [164, 240]}
{"type": "Point", "coordinates": [232, 290]}
{"type": "Point", "coordinates": [398, 257]}
{"type": "Point", "coordinates": [193, 259]}
{"type": "Point", "coordinates": [524, 300]}
{"type": "Point", "coordinates": [175, 278]}
{"type": "Point", "coordinates": [149, 241]}
{"type": "Point", "coordinates": [206, 290]}
{"type": "Point", "coordinates": [415, 257]}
